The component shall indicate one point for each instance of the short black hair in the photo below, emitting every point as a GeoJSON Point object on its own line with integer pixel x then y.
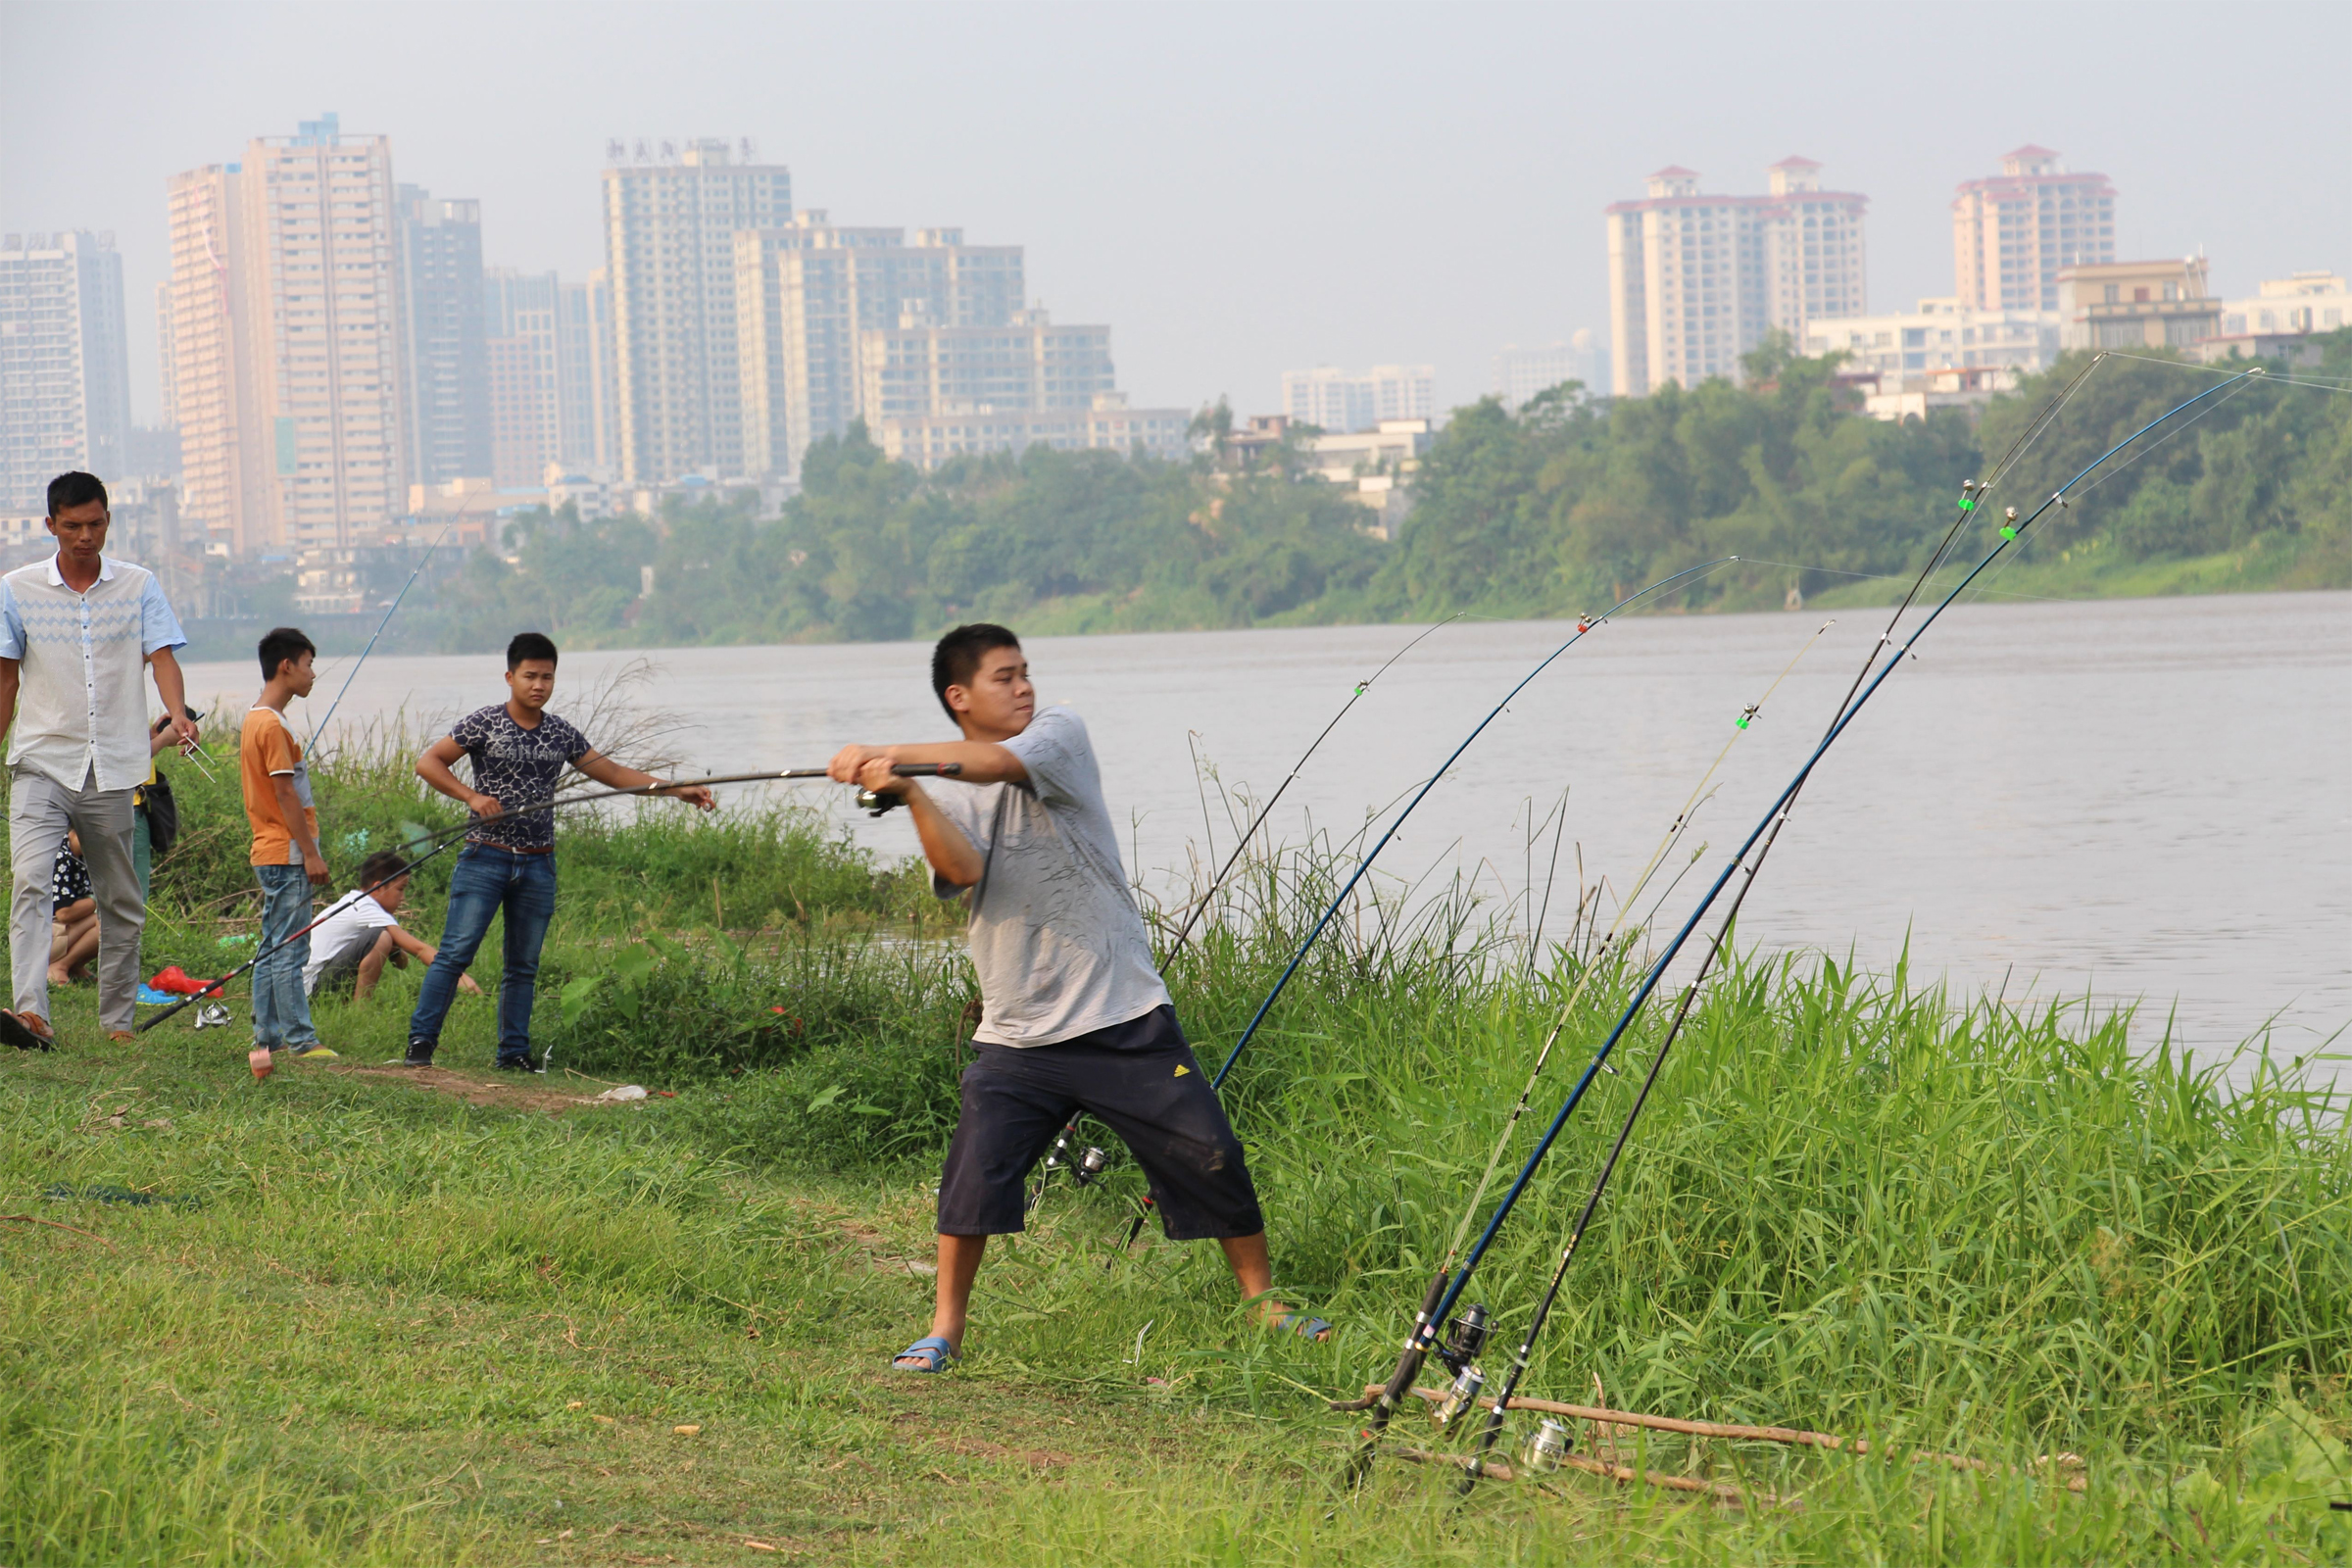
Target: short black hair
{"type": "Point", "coordinates": [76, 489]}
{"type": "Point", "coordinates": [956, 658]}
{"type": "Point", "coordinates": [529, 645]}
{"type": "Point", "coordinates": [384, 865]}
{"type": "Point", "coordinates": [281, 644]}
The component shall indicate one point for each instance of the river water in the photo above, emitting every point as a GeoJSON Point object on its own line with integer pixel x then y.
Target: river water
{"type": "Point", "coordinates": [2131, 801]}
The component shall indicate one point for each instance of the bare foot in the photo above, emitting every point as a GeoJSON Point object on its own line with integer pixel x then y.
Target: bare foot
{"type": "Point", "coordinates": [58, 976]}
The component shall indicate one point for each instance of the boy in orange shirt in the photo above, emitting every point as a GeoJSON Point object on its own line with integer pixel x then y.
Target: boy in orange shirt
{"type": "Point", "coordinates": [287, 858]}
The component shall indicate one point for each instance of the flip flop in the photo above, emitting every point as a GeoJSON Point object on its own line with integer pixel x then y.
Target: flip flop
{"type": "Point", "coordinates": [21, 1035]}
{"type": "Point", "coordinates": [937, 1354]}
{"type": "Point", "coordinates": [1298, 1323]}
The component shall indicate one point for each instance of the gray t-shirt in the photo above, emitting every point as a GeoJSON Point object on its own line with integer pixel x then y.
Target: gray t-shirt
{"type": "Point", "coordinates": [1056, 935]}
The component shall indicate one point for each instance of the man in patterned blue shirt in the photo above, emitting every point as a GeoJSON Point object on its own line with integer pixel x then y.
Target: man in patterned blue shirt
{"type": "Point", "coordinates": [78, 634]}
{"type": "Point", "coordinates": [520, 752]}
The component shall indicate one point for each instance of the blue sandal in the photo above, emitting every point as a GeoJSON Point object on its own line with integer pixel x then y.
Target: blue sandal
{"type": "Point", "coordinates": [936, 1352]}
{"type": "Point", "coordinates": [1298, 1323]}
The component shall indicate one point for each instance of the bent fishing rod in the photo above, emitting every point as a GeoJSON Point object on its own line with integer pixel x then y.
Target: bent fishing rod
{"type": "Point", "coordinates": [1716, 948]}
{"type": "Point", "coordinates": [442, 840]}
{"type": "Point", "coordinates": [1092, 1163]}
{"type": "Point", "coordinates": [1466, 1337]}
{"type": "Point", "coordinates": [1443, 1294]}
{"type": "Point", "coordinates": [1583, 624]}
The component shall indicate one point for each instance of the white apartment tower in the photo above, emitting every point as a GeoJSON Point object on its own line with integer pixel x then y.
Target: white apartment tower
{"type": "Point", "coordinates": [1696, 281]}
{"type": "Point", "coordinates": [286, 342]}
{"type": "Point", "coordinates": [808, 291]}
{"type": "Point", "coordinates": [65, 362]}
{"type": "Point", "coordinates": [2011, 234]}
{"type": "Point", "coordinates": [670, 222]}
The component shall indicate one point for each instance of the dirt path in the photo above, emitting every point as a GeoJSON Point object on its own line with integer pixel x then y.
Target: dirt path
{"type": "Point", "coordinates": [506, 1091]}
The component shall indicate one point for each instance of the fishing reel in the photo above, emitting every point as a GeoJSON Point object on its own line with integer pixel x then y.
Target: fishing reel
{"type": "Point", "coordinates": [1547, 1448]}
{"type": "Point", "coordinates": [1465, 1337]}
{"type": "Point", "coordinates": [213, 1016]}
{"type": "Point", "coordinates": [873, 804]}
{"type": "Point", "coordinates": [1085, 1170]}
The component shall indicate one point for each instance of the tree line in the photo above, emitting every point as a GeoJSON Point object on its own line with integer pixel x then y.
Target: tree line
{"type": "Point", "coordinates": [1552, 509]}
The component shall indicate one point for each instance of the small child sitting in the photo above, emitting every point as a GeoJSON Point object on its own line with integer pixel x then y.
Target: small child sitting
{"type": "Point", "coordinates": [74, 938]}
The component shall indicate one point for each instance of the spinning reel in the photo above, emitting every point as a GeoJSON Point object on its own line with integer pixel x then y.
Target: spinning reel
{"type": "Point", "coordinates": [1085, 1170]}
{"type": "Point", "coordinates": [1465, 1337]}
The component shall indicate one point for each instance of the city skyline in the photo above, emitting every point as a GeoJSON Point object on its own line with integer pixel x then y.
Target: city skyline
{"type": "Point", "coordinates": [1218, 273]}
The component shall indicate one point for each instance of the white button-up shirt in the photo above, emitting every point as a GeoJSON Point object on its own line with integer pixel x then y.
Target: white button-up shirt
{"type": "Point", "coordinates": [81, 660]}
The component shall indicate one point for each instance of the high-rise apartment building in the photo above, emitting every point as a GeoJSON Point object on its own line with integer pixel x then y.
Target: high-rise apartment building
{"type": "Point", "coordinates": [65, 362]}
{"type": "Point", "coordinates": [2011, 234]}
{"type": "Point", "coordinates": [1696, 281]}
{"type": "Point", "coordinates": [547, 389]}
{"type": "Point", "coordinates": [670, 222]}
{"type": "Point", "coordinates": [519, 313]}
{"type": "Point", "coordinates": [808, 291]}
{"type": "Point", "coordinates": [447, 363]}
{"type": "Point", "coordinates": [162, 343]}
{"type": "Point", "coordinates": [1343, 400]}
{"type": "Point", "coordinates": [286, 342]}
{"type": "Point", "coordinates": [1029, 364]}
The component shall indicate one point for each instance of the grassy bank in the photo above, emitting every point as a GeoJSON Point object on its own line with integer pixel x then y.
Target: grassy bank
{"type": "Point", "coordinates": [386, 1324]}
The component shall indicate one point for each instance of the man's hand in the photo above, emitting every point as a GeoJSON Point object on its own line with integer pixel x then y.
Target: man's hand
{"type": "Point", "coordinates": [875, 775]}
{"type": "Point", "coordinates": [486, 807]}
{"type": "Point", "coordinates": [467, 985]}
{"type": "Point", "coordinates": [859, 765]}
{"type": "Point", "coordinates": [315, 868]}
{"type": "Point", "coordinates": [695, 795]}
{"type": "Point", "coordinates": [183, 732]}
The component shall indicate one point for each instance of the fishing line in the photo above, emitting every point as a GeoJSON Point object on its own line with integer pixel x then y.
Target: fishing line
{"type": "Point", "coordinates": [1583, 624]}
{"type": "Point", "coordinates": [1442, 1293]}
{"type": "Point", "coordinates": [389, 611]}
{"type": "Point", "coordinates": [444, 838]}
{"type": "Point", "coordinates": [1778, 814]}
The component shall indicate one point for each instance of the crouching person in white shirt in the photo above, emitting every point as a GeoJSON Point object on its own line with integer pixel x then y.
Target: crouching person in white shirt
{"type": "Point", "coordinates": [362, 933]}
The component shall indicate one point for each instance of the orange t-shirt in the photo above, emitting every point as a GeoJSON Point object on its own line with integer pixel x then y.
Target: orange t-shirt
{"type": "Point", "coordinates": [267, 750]}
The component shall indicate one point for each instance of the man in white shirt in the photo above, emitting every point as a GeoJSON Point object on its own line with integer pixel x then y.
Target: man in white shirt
{"type": "Point", "coordinates": [76, 632]}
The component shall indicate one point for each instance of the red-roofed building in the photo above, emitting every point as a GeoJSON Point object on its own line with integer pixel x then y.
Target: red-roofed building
{"type": "Point", "coordinates": [2011, 234]}
{"type": "Point", "coordinates": [1696, 281]}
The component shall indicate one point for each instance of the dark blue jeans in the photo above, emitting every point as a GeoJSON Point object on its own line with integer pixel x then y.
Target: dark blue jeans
{"type": "Point", "coordinates": [484, 882]}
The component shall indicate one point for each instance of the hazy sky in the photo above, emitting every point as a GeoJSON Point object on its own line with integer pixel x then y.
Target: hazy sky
{"type": "Point", "coordinates": [1237, 189]}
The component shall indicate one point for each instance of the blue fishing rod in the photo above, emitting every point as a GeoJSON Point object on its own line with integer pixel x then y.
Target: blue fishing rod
{"type": "Point", "coordinates": [1444, 1293]}
{"type": "Point", "coordinates": [1583, 624]}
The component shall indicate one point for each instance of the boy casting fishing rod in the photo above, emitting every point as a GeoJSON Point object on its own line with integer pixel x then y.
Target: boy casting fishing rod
{"type": "Point", "coordinates": [1074, 1017]}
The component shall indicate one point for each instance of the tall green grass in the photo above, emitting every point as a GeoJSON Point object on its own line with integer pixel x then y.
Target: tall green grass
{"type": "Point", "coordinates": [1857, 1203]}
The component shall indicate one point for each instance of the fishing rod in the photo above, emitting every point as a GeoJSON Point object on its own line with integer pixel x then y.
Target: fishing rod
{"type": "Point", "coordinates": [2011, 529]}
{"type": "Point", "coordinates": [1443, 1295]}
{"type": "Point", "coordinates": [1466, 1335]}
{"type": "Point", "coordinates": [389, 611]}
{"type": "Point", "coordinates": [1583, 624]}
{"type": "Point", "coordinates": [1463, 1354]}
{"type": "Point", "coordinates": [444, 836]}
{"type": "Point", "coordinates": [1092, 1161]}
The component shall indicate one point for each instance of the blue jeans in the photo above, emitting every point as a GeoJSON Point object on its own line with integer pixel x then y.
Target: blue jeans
{"type": "Point", "coordinates": [282, 1013]}
{"type": "Point", "coordinates": [484, 882]}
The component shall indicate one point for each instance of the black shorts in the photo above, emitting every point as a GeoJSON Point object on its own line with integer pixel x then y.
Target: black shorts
{"type": "Point", "coordinates": [1140, 1079]}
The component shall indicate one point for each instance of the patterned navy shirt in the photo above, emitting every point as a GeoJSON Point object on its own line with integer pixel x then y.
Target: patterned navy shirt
{"type": "Point", "coordinates": [518, 767]}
